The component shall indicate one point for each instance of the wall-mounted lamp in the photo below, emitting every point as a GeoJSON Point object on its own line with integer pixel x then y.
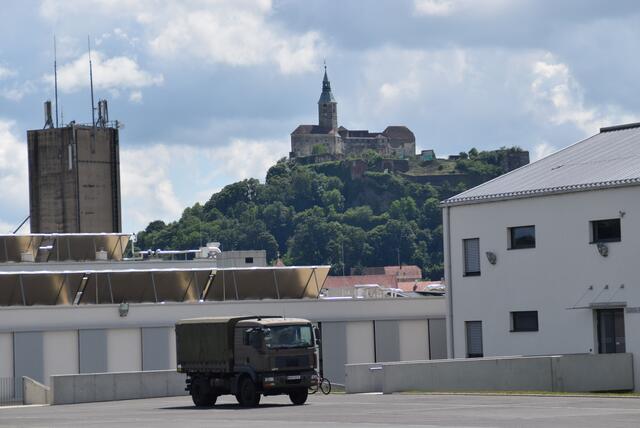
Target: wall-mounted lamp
{"type": "Point", "coordinates": [491, 256]}
{"type": "Point", "coordinates": [603, 249]}
{"type": "Point", "coordinates": [123, 309]}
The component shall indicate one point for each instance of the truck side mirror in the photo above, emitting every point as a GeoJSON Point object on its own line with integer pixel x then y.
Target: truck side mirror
{"type": "Point", "coordinates": [317, 334]}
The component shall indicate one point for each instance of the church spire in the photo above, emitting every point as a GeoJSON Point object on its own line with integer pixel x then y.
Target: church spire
{"type": "Point", "coordinates": [327, 106]}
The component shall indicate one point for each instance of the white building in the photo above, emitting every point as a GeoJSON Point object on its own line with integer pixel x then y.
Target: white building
{"type": "Point", "coordinates": [542, 260]}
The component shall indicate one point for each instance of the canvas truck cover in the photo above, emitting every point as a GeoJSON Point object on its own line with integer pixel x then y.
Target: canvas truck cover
{"type": "Point", "coordinates": [206, 344]}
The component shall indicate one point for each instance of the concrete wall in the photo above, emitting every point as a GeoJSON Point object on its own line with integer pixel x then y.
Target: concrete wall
{"type": "Point", "coordinates": [568, 373]}
{"type": "Point", "coordinates": [245, 258]}
{"type": "Point", "coordinates": [35, 392]}
{"type": "Point", "coordinates": [74, 180]}
{"type": "Point", "coordinates": [561, 278]}
{"type": "Point", "coordinates": [86, 388]}
{"type": "Point", "coordinates": [95, 339]}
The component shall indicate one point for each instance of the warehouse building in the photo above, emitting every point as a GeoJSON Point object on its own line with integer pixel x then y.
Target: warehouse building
{"type": "Point", "coordinates": [78, 314]}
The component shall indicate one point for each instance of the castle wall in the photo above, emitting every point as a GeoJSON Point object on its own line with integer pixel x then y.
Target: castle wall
{"type": "Point", "coordinates": [402, 148]}
{"type": "Point", "coordinates": [357, 146]}
{"type": "Point", "coordinates": [302, 145]}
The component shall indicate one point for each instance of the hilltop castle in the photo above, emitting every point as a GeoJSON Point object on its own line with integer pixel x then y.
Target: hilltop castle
{"type": "Point", "coordinates": [326, 138]}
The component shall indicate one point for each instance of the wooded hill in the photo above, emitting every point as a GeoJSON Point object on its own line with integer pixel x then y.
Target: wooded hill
{"type": "Point", "coordinates": [349, 214]}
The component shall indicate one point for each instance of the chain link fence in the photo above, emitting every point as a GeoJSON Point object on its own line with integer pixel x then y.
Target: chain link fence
{"type": "Point", "coordinates": [7, 392]}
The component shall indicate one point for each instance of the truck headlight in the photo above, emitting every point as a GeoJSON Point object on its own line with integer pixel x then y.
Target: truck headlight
{"type": "Point", "coordinates": [268, 379]}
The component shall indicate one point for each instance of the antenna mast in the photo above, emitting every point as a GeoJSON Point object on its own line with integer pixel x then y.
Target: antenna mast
{"type": "Point", "coordinates": [55, 76]}
{"type": "Point", "coordinates": [93, 109]}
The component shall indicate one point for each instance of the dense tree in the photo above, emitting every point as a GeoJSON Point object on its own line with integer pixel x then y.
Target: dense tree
{"type": "Point", "coordinates": [321, 214]}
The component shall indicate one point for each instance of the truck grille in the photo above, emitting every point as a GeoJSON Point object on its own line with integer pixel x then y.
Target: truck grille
{"type": "Point", "coordinates": [291, 361]}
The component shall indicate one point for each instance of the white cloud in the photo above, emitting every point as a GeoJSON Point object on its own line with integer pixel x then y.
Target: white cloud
{"type": "Point", "coordinates": [147, 190]}
{"type": "Point", "coordinates": [243, 158]}
{"type": "Point", "coordinates": [559, 97]}
{"type": "Point", "coordinates": [435, 7]}
{"type": "Point", "coordinates": [14, 184]}
{"type": "Point", "coordinates": [542, 150]}
{"type": "Point", "coordinates": [13, 89]}
{"type": "Point", "coordinates": [404, 80]}
{"type": "Point", "coordinates": [420, 70]}
{"type": "Point", "coordinates": [17, 90]}
{"type": "Point", "coordinates": [452, 7]}
{"type": "Point", "coordinates": [6, 72]}
{"type": "Point", "coordinates": [477, 86]}
{"type": "Point", "coordinates": [108, 73]}
{"type": "Point", "coordinates": [232, 32]}
{"type": "Point", "coordinates": [236, 33]}
{"type": "Point", "coordinates": [150, 175]}
{"type": "Point", "coordinates": [135, 97]}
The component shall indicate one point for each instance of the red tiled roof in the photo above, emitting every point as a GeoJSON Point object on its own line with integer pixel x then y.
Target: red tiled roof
{"type": "Point", "coordinates": [399, 132]}
{"type": "Point", "coordinates": [405, 271]}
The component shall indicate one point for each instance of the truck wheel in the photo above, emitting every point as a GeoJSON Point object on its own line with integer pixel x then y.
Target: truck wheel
{"type": "Point", "coordinates": [202, 395]}
{"type": "Point", "coordinates": [299, 396]}
{"type": "Point", "coordinates": [247, 394]}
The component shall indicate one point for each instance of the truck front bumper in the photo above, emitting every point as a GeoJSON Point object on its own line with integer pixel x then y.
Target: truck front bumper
{"type": "Point", "coordinates": [280, 381]}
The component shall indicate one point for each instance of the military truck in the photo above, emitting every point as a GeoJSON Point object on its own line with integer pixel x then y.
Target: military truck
{"type": "Point", "coordinates": [248, 357]}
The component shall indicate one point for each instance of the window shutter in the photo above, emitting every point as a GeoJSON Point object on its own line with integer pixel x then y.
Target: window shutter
{"type": "Point", "coordinates": [474, 339]}
{"type": "Point", "coordinates": [472, 256]}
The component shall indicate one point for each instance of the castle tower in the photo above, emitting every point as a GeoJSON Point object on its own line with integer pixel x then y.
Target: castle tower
{"type": "Point", "coordinates": [327, 105]}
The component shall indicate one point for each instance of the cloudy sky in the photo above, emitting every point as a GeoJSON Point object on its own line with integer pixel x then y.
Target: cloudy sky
{"type": "Point", "coordinates": [209, 90]}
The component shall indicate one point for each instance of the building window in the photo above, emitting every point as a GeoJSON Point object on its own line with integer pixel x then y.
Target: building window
{"type": "Point", "coordinates": [522, 237]}
{"type": "Point", "coordinates": [248, 260]}
{"type": "Point", "coordinates": [474, 339]}
{"type": "Point", "coordinates": [524, 321]}
{"type": "Point", "coordinates": [471, 257]}
{"type": "Point", "coordinates": [605, 230]}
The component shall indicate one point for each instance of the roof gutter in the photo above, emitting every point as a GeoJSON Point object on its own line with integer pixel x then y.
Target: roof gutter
{"type": "Point", "coordinates": [540, 192]}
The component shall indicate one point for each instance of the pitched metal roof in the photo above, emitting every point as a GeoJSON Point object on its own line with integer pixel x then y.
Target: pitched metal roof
{"type": "Point", "coordinates": [608, 159]}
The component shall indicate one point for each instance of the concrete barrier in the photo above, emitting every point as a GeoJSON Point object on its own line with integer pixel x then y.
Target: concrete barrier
{"type": "Point", "coordinates": [34, 392]}
{"type": "Point", "coordinates": [85, 388]}
{"type": "Point", "coordinates": [568, 373]}
{"type": "Point", "coordinates": [593, 372]}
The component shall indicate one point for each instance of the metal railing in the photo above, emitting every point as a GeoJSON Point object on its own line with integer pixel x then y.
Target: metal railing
{"type": "Point", "coordinates": [7, 392]}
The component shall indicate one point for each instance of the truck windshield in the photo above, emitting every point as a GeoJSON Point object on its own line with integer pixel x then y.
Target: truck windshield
{"type": "Point", "coordinates": [288, 336]}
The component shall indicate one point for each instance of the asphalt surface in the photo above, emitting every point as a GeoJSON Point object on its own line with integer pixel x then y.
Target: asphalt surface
{"type": "Point", "coordinates": [340, 410]}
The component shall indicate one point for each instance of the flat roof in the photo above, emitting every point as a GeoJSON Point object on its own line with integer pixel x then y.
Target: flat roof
{"type": "Point", "coordinates": [157, 285]}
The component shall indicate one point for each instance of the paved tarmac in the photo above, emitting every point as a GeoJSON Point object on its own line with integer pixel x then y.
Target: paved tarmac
{"type": "Point", "coordinates": [340, 410]}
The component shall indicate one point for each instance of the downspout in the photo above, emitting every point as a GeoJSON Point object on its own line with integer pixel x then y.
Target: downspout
{"type": "Point", "coordinates": [448, 281]}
